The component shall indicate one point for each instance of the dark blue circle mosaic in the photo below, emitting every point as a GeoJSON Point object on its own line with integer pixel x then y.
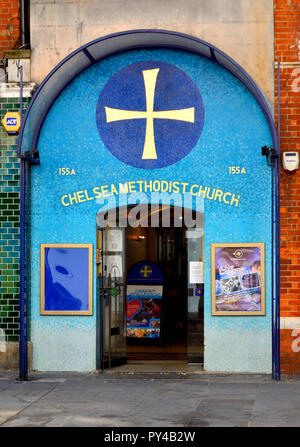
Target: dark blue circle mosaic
{"type": "Point", "coordinates": [150, 114]}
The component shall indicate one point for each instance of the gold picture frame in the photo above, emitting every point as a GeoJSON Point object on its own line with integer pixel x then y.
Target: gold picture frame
{"type": "Point", "coordinates": [233, 292]}
{"type": "Point", "coordinates": [83, 275]}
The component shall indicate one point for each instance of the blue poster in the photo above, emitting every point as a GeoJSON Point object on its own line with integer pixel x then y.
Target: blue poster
{"type": "Point", "coordinates": [66, 280]}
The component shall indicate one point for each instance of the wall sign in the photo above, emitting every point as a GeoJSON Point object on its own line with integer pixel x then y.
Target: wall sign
{"type": "Point", "coordinates": [196, 272]}
{"type": "Point", "coordinates": [238, 279]}
{"type": "Point", "coordinates": [12, 122]}
{"type": "Point", "coordinates": [66, 279]}
{"type": "Point", "coordinates": [114, 240]}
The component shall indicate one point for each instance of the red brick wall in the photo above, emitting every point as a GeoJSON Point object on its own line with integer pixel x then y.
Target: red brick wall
{"type": "Point", "coordinates": [9, 25]}
{"type": "Point", "coordinates": [287, 50]}
{"type": "Point", "coordinates": [290, 351]}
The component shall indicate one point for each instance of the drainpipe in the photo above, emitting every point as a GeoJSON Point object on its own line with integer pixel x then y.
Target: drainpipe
{"type": "Point", "coordinates": [273, 160]}
{"type": "Point", "coordinates": [278, 231]}
{"type": "Point", "coordinates": [24, 24]}
{"type": "Point", "coordinates": [273, 270]}
{"type": "Point", "coordinates": [24, 178]}
{"type": "Point", "coordinates": [23, 344]}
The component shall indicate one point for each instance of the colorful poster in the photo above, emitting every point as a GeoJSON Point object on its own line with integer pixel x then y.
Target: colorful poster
{"type": "Point", "coordinates": [238, 279]}
{"type": "Point", "coordinates": [143, 311]}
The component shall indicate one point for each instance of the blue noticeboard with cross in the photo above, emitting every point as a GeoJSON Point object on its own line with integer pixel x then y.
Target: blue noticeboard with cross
{"type": "Point", "coordinates": [144, 296]}
{"type": "Point", "coordinates": [145, 272]}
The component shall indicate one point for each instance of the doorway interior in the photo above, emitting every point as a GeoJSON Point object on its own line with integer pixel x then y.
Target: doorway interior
{"type": "Point", "coordinates": [165, 238]}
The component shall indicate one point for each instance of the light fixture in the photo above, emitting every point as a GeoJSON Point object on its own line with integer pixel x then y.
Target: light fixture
{"type": "Point", "coordinates": [269, 153]}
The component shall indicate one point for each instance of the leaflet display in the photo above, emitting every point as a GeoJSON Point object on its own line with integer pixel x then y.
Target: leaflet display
{"type": "Point", "coordinates": [143, 311]}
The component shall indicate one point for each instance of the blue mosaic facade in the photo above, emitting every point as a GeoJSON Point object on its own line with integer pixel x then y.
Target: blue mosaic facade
{"type": "Point", "coordinates": [231, 131]}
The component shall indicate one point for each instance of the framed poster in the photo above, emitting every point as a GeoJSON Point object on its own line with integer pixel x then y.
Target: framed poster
{"type": "Point", "coordinates": [66, 279]}
{"type": "Point", "coordinates": [238, 279]}
{"type": "Point", "coordinates": [143, 311]}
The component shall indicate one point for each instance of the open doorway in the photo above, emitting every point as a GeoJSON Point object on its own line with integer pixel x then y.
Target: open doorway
{"type": "Point", "coordinates": [168, 248]}
{"type": "Point", "coordinates": [164, 240]}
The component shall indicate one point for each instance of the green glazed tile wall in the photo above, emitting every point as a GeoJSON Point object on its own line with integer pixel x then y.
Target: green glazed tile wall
{"type": "Point", "coordinates": [9, 226]}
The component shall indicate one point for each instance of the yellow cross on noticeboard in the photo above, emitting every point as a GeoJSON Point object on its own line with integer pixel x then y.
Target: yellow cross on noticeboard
{"type": "Point", "coordinates": [145, 271]}
{"type": "Point", "coordinates": [150, 77]}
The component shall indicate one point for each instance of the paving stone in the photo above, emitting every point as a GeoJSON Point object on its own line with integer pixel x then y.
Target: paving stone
{"type": "Point", "coordinates": [91, 400]}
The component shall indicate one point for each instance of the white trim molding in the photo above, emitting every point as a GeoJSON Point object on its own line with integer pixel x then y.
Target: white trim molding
{"type": "Point", "coordinates": [289, 322]}
{"type": "Point", "coordinates": [12, 89]}
{"type": "Point", "coordinates": [283, 64]}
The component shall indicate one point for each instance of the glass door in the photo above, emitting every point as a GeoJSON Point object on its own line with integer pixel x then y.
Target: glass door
{"type": "Point", "coordinates": [110, 265]}
{"type": "Point", "coordinates": [195, 263]}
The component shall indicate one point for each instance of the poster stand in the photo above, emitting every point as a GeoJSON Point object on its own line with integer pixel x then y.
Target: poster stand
{"type": "Point", "coordinates": [144, 301]}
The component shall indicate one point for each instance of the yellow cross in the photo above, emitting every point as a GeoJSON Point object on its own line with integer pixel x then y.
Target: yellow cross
{"type": "Point", "coordinates": [145, 271]}
{"type": "Point", "coordinates": [150, 77]}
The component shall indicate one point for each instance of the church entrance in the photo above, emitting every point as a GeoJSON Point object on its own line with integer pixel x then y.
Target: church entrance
{"type": "Point", "coordinates": [151, 292]}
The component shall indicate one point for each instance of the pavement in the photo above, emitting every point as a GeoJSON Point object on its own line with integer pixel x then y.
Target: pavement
{"type": "Point", "coordinates": [141, 399]}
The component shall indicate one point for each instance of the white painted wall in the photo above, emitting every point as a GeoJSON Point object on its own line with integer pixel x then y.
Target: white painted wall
{"type": "Point", "coordinates": [241, 28]}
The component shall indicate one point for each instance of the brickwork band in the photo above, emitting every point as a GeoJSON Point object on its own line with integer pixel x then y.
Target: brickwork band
{"type": "Point", "coordinates": [287, 51]}
{"type": "Point", "coordinates": [9, 26]}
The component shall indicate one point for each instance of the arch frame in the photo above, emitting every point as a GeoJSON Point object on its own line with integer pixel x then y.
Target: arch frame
{"type": "Point", "coordinates": [89, 54]}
